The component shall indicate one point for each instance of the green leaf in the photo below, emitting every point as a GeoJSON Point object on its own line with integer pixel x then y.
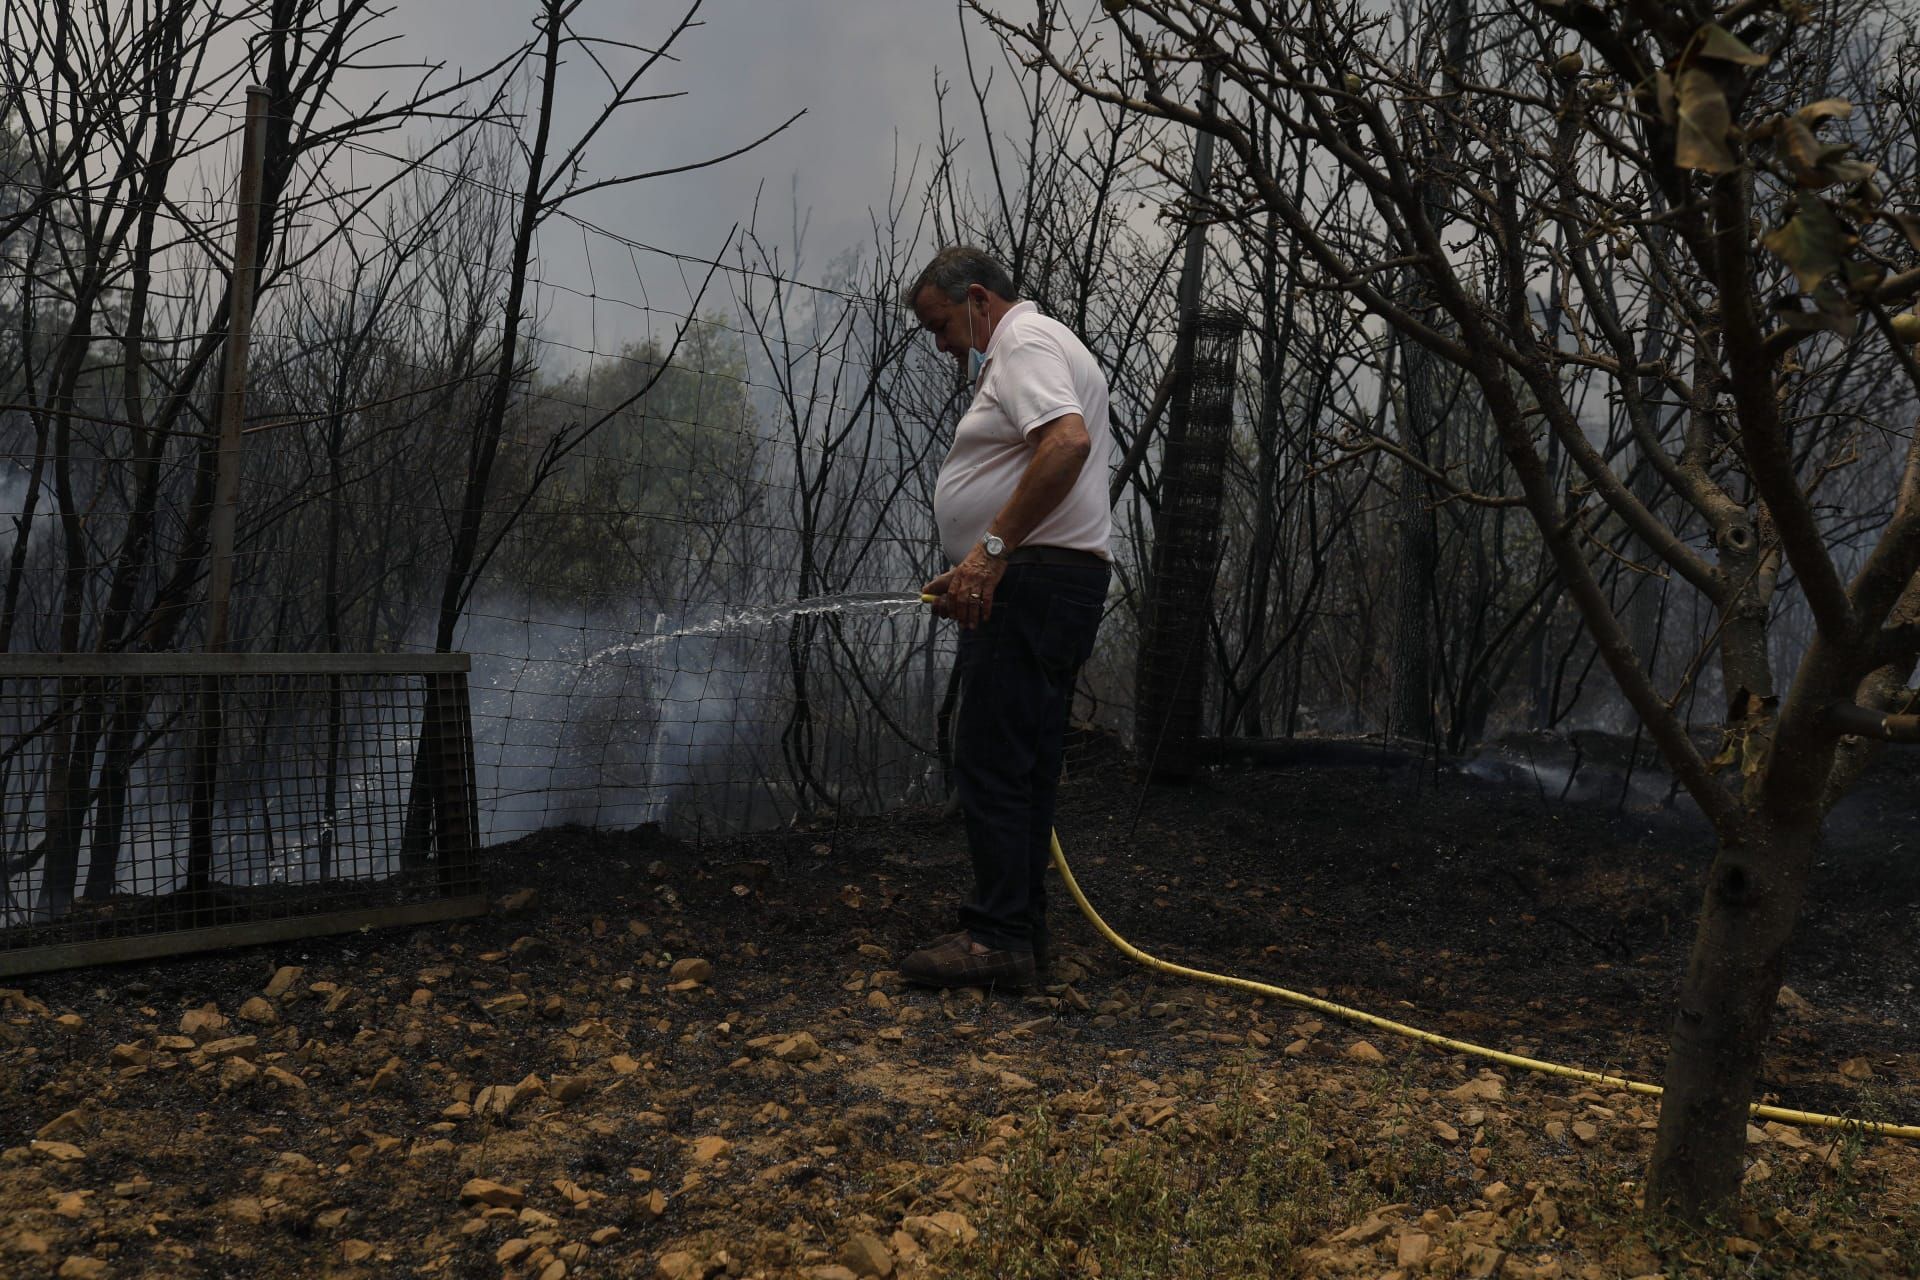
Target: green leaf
{"type": "Point", "coordinates": [1812, 243]}
{"type": "Point", "coordinates": [1716, 42]}
{"type": "Point", "coordinates": [1703, 120]}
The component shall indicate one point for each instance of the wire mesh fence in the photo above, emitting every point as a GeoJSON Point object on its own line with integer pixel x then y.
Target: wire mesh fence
{"type": "Point", "coordinates": [165, 802]}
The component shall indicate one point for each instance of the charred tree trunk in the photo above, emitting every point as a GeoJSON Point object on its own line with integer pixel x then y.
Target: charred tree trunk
{"type": "Point", "coordinates": [1726, 1003]}
{"type": "Point", "coordinates": [1410, 713]}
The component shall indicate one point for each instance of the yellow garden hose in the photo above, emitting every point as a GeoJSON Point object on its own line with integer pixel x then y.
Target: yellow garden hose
{"type": "Point", "coordinates": [1759, 1110]}
{"type": "Point", "coordinates": [1327, 1007]}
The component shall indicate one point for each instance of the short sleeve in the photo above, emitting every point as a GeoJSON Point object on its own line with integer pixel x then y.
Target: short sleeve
{"type": "Point", "coordinates": [1033, 384]}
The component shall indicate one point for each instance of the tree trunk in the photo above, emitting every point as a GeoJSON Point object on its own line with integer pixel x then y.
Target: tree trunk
{"type": "Point", "coordinates": [1410, 712]}
{"type": "Point", "coordinates": [1726, 1003]}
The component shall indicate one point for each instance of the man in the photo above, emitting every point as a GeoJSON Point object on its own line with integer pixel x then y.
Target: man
{"type": "Point", "coordinates": [1021, 506]}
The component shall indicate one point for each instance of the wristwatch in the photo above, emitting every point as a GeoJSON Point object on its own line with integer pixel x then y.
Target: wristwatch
{"type": "Point", "coordinates": [995, 546]}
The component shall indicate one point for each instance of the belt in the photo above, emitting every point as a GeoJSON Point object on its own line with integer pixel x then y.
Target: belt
{"type": "Point", "coordinates": [1056, 555]}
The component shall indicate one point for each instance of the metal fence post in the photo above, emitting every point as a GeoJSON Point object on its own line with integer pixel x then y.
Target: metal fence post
{"type": "Point", "coordinates": [233, 388]}
{"type": "Point", "coordinates": [226, 485]}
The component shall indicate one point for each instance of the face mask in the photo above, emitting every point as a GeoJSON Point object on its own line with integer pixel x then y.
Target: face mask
{"type": "Point", "coordinates": [976, 358]}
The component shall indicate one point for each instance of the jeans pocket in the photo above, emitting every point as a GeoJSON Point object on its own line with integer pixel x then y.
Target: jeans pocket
{"type": "Point", "coordinates": [1066, 637]}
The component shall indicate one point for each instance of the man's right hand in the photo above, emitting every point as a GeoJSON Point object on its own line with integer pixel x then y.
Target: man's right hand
{"type": "Point", "coordinates": [942, 605]}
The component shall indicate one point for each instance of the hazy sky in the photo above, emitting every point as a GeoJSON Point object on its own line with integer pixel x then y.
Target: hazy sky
{"type": "Point", "coordinates": [863, 70]}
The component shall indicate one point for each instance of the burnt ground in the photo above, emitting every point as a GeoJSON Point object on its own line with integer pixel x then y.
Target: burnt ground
{"type": "Point", "coordinates": [680, 1060]}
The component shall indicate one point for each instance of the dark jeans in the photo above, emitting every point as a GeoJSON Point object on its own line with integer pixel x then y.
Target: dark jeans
{"type": "Point", "coordinates": [1016, 689]}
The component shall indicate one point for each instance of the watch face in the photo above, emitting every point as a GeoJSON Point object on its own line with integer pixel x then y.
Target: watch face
{"type": "Point", "coordinates": [995, 546]}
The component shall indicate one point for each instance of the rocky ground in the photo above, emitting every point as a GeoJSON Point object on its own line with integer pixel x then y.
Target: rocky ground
{"type": "Point", "coordinates": [657, 1059]}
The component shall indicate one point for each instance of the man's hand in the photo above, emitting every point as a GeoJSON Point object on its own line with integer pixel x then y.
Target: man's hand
{"type": "Point", "coordinates": [965, 592]}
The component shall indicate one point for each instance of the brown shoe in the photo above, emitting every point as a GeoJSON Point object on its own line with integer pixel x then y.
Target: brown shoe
{"type": "Point", "coordinates": [952, 962]}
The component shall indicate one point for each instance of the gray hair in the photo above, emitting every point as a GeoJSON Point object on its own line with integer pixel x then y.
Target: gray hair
{"type": "Point", "coordinates": [954, 269]}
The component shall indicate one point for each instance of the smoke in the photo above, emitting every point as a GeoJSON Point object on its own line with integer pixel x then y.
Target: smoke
{"type": "Point", "coordinates": [619, 718]}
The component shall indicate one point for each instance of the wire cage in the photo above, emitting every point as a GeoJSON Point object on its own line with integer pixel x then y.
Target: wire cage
{"type": "Point", "coordinates": [1172, 659]}
{"type": "Point", "coordinates": [157, 803]}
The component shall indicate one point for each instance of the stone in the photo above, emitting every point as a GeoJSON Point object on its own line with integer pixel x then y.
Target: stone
{"type": "Point", "coordinates": [1857, 1069]}
{"type": "Point", "coordinates": [258, 1010]}
{"type": "Point", "coordinates": [832, 1271]}
{"type": "Point", "coordinates": [864, 1255]}
{"type": "Point", "coordinates": [945, 1225]}
{"type": "Point", "coordinates": [676, 1265]}
{"type": "Point", "coordinates": [284, 1079]}
{"type": "Point", "coordinates": [203, 1024]}
{"type": "Point", "coordinates": [247, 1209]}
{"type": "Point", "coordinates": [512, 1251]}
{"type": "Point", "coordinates": [1586, 1132]}
{"type": "Point", "coordinates": [237, 1073]}
{"type": "Point", "coordinates": [800, 1047]}
{"type": "Point", "coordinates": [67, 1124]}
{"type": "Point", "coordinates": [355, 1250]}
{"type": "Point", "coordinates": [79, 1266]}
{"type": "Point", "coordinates": [708, 1149]}
{"type": "Point", "coordinates": [691, 969]}
{"type": "Point", "coordinates": [129, 1055]}
{"type": "Point", "coordinates": [569, 1088]}
{"type": "Point", "coordinates": [1412, 1249]}
{"type": "Point", "coordinates": [518, 903]}
{"type": "Point", "coordinates": [389, 1078]}
{"type": "Point", "coordinates": [231, 1047]}
{"type": "Point", "coordinates": [623, 1064]}
{"type": "Point", "coordinates": [1486, 1088]}
{"type": "Point", "coordinates": [1445, 1132]}
{"type": "Point", "coordinates": [1482, 1261]}
{"type": "Point", "coordinates": [1369, 1229]}
{"type": "Point", "coordinates": [1361, 1051]}
{"type": "Point", "coordinates": [58, 1152]}
{"type": "Point", "coordinates": [282, 981]}
{"type": "Point", "coordinates": [488, 1192]}
{"type": "Point", "coordinates": [1792, 1001]}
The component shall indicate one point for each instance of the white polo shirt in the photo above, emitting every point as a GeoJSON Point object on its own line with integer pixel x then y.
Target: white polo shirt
{"type": "Point", "coordinates": [1036, 371]}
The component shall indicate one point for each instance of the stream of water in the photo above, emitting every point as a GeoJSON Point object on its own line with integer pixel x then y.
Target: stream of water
{"type": "Point", "coordinates": [762, 615]}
